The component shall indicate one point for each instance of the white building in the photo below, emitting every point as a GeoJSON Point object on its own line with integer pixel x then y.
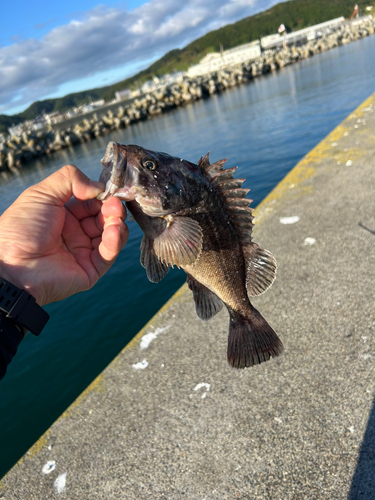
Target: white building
{"type": "Point", "coordinates": [123, 94]}
{"type": "Point", "coordinates": [219, 60]}
{"type": "Point", "coordinates": [310, 33]}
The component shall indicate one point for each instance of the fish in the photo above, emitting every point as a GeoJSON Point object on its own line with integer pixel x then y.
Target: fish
{"type": "Point", "coordinates": [197, 217]}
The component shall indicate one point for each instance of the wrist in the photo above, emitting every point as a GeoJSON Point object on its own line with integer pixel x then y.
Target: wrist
{"type": "Point", "coordinates": [20, 308]}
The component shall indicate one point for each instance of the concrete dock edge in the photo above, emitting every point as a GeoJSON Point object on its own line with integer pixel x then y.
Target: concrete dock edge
{"type": "Point", "coordinates": [169, 419]}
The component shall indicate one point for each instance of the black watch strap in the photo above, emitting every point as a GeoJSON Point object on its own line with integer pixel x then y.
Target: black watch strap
{"type": "Point", "coordinates": [21, 308]}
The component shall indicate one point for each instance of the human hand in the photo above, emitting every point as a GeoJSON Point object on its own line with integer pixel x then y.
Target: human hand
{"type": "Point", "coordinates": [53, 245]}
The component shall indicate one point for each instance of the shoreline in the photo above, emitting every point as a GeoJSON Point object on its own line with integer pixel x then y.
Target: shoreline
{"type": "Point", "coordinates": [16, 152]}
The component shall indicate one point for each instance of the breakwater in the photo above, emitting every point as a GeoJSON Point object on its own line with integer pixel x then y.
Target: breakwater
{"type": "Point", "coordinates": [18, 151]}
{"type": "Point", "coordinates": [168, 419]}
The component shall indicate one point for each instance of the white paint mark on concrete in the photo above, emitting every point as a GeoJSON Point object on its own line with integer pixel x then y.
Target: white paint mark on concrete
{"type": "Point", "coordinates": [309, 241]}
{"type": "Point", "coordinates": [202, 385]}
{"type": "Point", "coordinates": [49, 467]}
{"type": "Point", "coordinates": [60, 483]}
{"type": "Point", "coordinates": [141, 365]}
{"type": "Point", "coordinates": [146, 340]}
{"type": "Point", "coordinates": [149, 337]}
{"type": "Point", "coordinates": [349, 163]}
{"type": "Point", "coordinates": [289, 220]}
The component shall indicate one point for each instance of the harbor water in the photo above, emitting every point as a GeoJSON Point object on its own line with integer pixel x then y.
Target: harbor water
{"type": "Point", "coordinates": [264, 128]}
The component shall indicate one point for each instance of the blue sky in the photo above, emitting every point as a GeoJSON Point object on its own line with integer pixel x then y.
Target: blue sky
{"type": "Point", "coordinates": [50, 49]}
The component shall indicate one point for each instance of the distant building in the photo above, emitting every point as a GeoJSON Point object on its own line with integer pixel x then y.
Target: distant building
{"type": "Point", "coordinates": [87, 108]}
{"type": "Point", "coordinates": [123, 94]}
{"type": "Point", "coordinates": [220, 60]}
{"type": "Point", "coordinates": [300, 36]}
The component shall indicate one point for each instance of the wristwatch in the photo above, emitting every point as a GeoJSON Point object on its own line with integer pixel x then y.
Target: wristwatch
{"type": "Point", "coordinates": [21, 308]}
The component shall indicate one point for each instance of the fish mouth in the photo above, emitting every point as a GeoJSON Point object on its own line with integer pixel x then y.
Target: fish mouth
{"type": "Point", "coordinates": [118, 179]}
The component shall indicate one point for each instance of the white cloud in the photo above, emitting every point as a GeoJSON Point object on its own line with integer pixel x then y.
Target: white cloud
{"type": "Point", "coordinates": [106, 38]}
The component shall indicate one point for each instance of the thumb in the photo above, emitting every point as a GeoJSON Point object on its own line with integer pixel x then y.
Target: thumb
{"type": "Point", "coordinates": [66, 182]}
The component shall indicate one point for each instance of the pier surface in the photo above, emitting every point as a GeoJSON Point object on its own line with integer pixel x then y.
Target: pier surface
{"type": "Point", "coordinates": [169, 419]}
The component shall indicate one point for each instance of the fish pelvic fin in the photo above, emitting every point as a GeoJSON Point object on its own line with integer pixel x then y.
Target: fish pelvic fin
{"type": "Point", "coordinates": [155, 269]}
{"type": "Point", "coordinates": [207, 303]}
{"type": "Point", "coordinates": [251, 340]}
{"type": "Point", "coordinates": [261, 268]}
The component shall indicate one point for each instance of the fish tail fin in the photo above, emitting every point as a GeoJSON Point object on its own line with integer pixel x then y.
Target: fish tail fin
{"type": "Point", "coordinates": [251, 340]}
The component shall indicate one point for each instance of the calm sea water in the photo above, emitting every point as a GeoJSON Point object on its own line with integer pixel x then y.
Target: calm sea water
{"type": "Point", "coordinates": [264, 127]}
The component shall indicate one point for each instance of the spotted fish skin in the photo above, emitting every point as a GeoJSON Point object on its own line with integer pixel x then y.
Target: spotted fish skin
{"type": "Point", "coordinates": [197, 217]}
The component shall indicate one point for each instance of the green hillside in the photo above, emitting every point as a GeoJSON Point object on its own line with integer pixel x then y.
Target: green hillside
{"type": "Point", "coordinates": [295, 14]}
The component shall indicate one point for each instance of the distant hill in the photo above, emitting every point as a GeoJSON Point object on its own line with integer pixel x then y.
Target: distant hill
{"type": "Point", "coordinates": [295, 14]}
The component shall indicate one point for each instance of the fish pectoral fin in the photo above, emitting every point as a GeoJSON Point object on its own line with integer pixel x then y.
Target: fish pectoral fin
{"type": "Point", "coordinates": [180, 244]}
{"type": "Point", "coordinates": [207, 303]}
{"type": "Point", "coordinates": [155, 269]}
{"type": "Point", "coordinates": [261, 269]}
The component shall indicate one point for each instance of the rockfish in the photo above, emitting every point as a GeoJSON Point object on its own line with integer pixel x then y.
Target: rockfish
{"type": "Point", "coordinates": [197, 217]}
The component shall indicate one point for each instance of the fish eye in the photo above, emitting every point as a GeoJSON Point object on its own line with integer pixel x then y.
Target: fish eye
{"type": "Point", "coordinates": [149, 164]}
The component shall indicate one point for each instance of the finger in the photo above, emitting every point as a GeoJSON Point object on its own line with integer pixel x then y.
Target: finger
{"type": "Point", "coordinates": [82, 209]}
{"type": "Point", "coordinates": [69, 181]}
{"type": "Point", "coordinates": [93, 226]}
{"type": "Point", "coordinates": [113, 208]}
{"type": "Point", "coordinates": [114, 238]}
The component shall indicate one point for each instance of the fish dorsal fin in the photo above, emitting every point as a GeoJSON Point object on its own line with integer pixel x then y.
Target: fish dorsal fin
{"type": "Point", "coordinates": [204, 163]}
{"type": "Point", "coordinates": [180, 244]}
{"type": "Point", "coordinates": [261, 268]}
{"type": "Point", "coordinates": [233, 196]}
{"type": "Point", "coordinates": [215, 169]}
{"type": "Point", "coordinates": [155, 269]}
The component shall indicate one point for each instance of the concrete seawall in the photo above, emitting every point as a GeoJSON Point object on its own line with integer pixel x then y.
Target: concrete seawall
{"type": "Point", "coordinates": [169, 419]}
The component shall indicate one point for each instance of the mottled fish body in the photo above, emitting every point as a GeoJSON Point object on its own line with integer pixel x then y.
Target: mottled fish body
{"type": "Point", "coordinates": [197, 217]}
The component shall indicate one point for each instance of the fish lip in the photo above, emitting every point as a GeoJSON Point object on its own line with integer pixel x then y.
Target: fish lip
{"type": "Point", "coordinates": [114, 166]}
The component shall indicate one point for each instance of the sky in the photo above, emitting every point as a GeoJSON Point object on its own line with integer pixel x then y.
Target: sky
{"type": "Point", "coordinates": [51, 49]}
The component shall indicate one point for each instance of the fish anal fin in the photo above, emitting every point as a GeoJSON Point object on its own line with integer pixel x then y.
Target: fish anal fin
{"type": "Point", "coordinates": [261, 268]}
{"type": "Point", "coordinates": [251, 340]}
{"type": "Point", "coordinates": [207, 303]}
{"type": "Point", "coordinates": [180, 244]}
{"type": "Point", "coordinates": [155, 269]}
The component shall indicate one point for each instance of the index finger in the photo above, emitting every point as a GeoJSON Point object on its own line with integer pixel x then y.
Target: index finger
{"type": "Point", "coordinates": [69, 181]}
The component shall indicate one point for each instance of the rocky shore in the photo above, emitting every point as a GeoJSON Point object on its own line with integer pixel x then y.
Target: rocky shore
{"type": "Point", "coordinates": [18, 151]}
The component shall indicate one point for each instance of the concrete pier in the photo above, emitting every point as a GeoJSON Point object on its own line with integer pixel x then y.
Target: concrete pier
{"type": "Point", "coordinates": [169, 419]}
